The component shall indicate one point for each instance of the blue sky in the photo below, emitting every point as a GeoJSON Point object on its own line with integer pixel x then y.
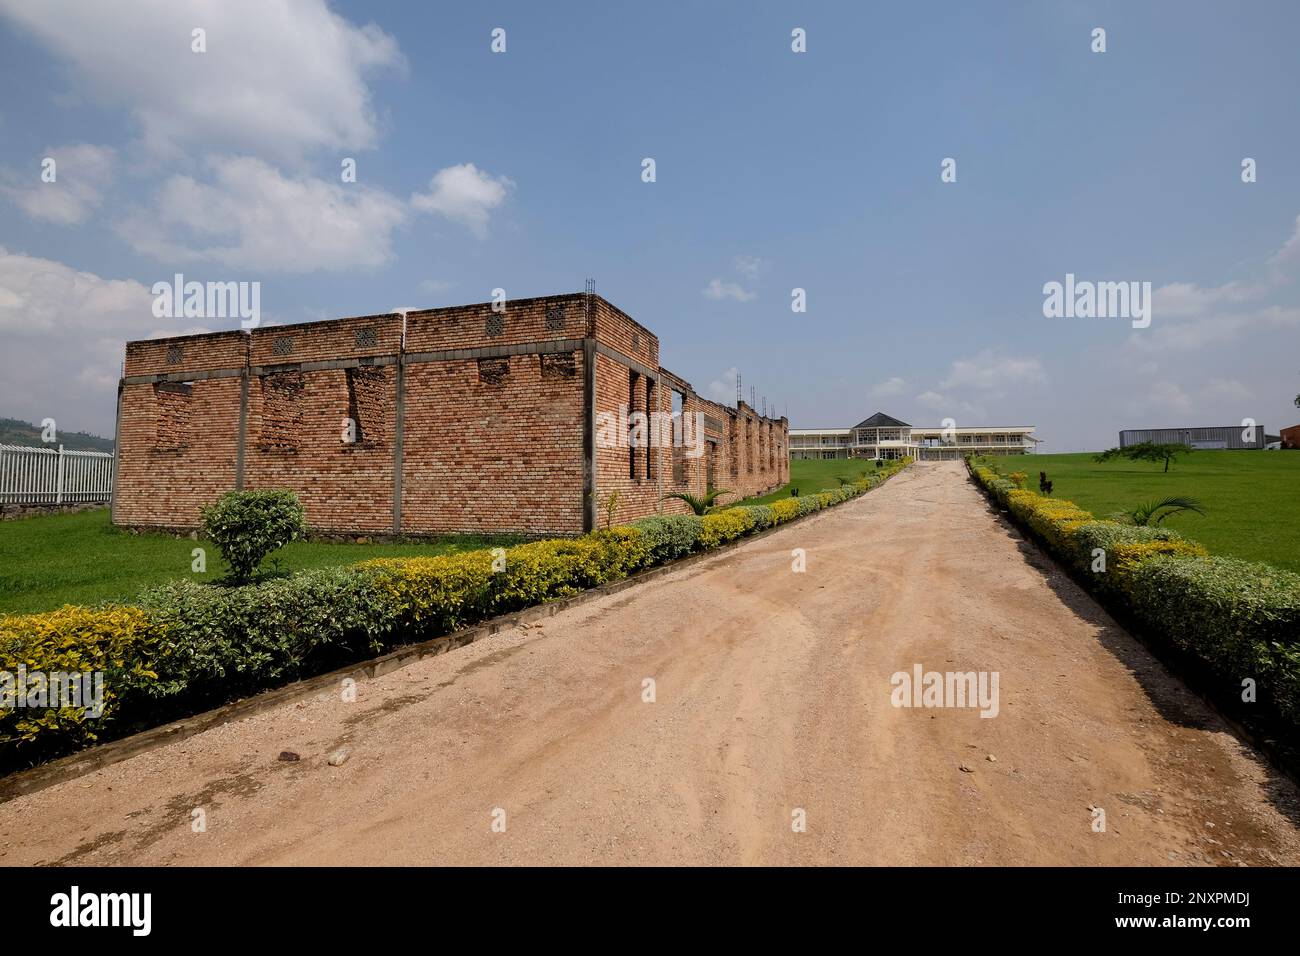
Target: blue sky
{"type": "Point", "coordinates": [775, 170]}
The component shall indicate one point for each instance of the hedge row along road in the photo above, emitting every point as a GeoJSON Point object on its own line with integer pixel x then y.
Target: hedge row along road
{"type": "Point", "coordinates": [772, 695]}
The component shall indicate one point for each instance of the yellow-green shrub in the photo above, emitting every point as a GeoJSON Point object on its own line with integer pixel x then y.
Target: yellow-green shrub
{"type": "Point", "coordinates": [722, 526]}
{"type": "Point", "coordinates": [1053, 519]}
{"type": "Point", "coordinates": [545, 571]}
{"type": "Point", "coordinates": [121, 642]}
{"type": "Point", "coordinates": [434, 595]}
{"type": "Point", "coordinates": [624, 550]}
{"type": "Point", "coordinates": [785, 510]}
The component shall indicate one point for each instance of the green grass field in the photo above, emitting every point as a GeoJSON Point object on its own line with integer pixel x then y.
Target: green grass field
{"type": "Point", "coordinates": [51, 560]}
{"type": "Point", "coordinates": [1251, 498]}
{"type": "Point", "coordinates": [813, 475]}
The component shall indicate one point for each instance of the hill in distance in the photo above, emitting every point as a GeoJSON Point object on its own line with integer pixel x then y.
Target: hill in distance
{"type": "Point", "coordinates": [16, 432]}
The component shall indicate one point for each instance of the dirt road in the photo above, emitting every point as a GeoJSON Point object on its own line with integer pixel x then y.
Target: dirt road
{"type": "Point", "coordinates": [772, 706]}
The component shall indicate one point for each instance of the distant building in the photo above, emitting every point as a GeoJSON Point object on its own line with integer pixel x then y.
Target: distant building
{"type": "Point", "coordinates": [1290, 437]}
{"type": "Point", "coordinates": [1206, 439]}
{"type": "Point", "coordinates": [882, 436]}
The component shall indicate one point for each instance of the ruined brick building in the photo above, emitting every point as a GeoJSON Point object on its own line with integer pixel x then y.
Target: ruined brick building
{"type": "Point", "coordinates": [459, 419]}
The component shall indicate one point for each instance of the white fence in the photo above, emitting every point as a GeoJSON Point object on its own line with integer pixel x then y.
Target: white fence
{"type": "Point", "coordinates": [49, 476]}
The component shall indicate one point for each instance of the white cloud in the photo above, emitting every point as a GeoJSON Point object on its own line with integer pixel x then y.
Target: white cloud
{"type": "Point", "coordinates": [81, 171]}
{"type": "Point", "coordinates": [1181, 299]}
{"type": "Point", "coordinates": [950, 407]}
{"type": "Point", "coordinates": [891, 386]}
{"type": "Point", "coordinates": [750, 266]}
{"type": "Point", "coordinates": [437, 286]}
{"type": "Point", "coordinates": [1213, 315]}
{"type": "Point", "coordinates": [718, 289]}
{"type": "Point", "coordinates": [464, 194]}
{"type": "Point", "coordinates": [1170, 395]}
{"type": "Point", "coordinates": [64, 332]}
{"type": "Point", "coordinates": [1288, 257]}
{"type": "Point", "coordinates": [990, 370]}
{"type": "Point", "coordinates": [723, 389]}
{"type": "Point", "coordinates": [279, 77]}
{"type": "Point", "coordinates": [253, 218]}
{"type": "Point", "coordinates": [1227, 390]}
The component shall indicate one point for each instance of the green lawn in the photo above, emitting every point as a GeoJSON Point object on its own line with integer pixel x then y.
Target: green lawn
{"type": "Point", "coordinates": [50, 560]}
{"type": "Point", "coordinates": [1251, 498]}
{"type": "Point", "coordinates": [813, 475]}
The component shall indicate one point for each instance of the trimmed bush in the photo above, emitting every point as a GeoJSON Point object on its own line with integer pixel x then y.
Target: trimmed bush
{"type": "Point", "coordinates": [1240, 617]}
{"type": "Point", "coordinates": [670, 536]}
{"type": "Point", "coordinates": [624, 550]}
{"type": "Point", "coordinates": [544, 571]}
{"type": "Point", "coordinates": [1052, 519]}
{"type": "Point", "coordinates": [434, 595]}
{"type": "Point", "coordinates": [785, 510]}
{"type": "Point", "coordinates": [123, 643]}
{"type": "Point", "coordinates": [762, 515]}
{"type": "Point", "coordinates": [723, 526]}
{"type": "Point", "coordinates": [224, 643]}
{"type": "Point", "coordinates": [1125, 547]}
{"type": "Point", "coordinates": [246, 526]}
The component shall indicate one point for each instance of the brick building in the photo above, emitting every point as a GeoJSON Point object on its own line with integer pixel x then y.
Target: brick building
{"type": "Point", "coordinates": [445, 420]}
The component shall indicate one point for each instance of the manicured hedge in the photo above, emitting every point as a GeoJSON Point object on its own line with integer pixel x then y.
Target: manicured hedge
{"type": "Point", "coordinates": [123, 642]}
{"type": "Point", "coordinates": [670, 536]}
{"type": "Point", "coordinates": [1241, 619]}
{"type": "Point", "coordinates": [186, 646]}
{"type": "Point", "coordinates": [227, 642]}
{"type": "Point", "coordinates": [1125, 547]}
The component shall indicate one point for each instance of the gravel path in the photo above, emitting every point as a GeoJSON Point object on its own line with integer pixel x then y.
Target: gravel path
{"type": "Point", "coordinates": [772, 706]}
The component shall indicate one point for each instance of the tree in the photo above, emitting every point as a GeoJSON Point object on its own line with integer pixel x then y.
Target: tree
{"type": "Point", "coordinates": [1168, 452]}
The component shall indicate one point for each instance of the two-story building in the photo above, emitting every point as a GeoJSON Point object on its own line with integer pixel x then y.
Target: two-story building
{"type": "Point", "coordinates": [882, 436]}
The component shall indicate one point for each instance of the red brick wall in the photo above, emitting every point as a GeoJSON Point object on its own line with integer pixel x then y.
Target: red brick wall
{"type": "Point", "coordinates": [477, 326]}
{"type": "Point", "coordinates": [491, 442]}
{"type": "Point", "coordinates": [165, 474]}
{"type": "Point", "coordinates": [177, 444]}
{"type": "Point", "coordinates": [342, 486]}
{"type": "Point", "coordinates": [494, 457]}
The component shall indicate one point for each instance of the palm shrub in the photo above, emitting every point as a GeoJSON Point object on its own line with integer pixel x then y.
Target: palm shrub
{"type": "Point", "coordinates": [699, 505]}
{"type": "Point", "coordinates": [246, 526]}
{"type": "Point", "coordinates": [1154, 512]}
